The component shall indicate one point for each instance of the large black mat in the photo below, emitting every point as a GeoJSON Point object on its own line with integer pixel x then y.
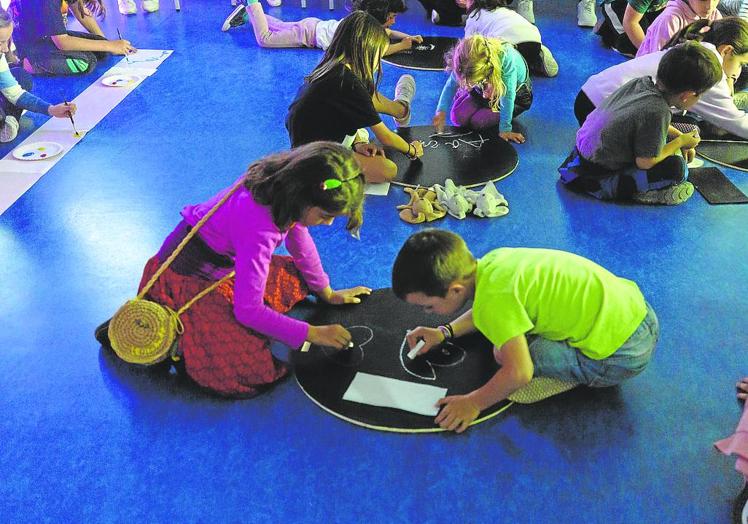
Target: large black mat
{"type": "Point", "coordinates": [715, 187]}
{"type": "Point", "coordinates": [469, 158]}
{"type": "Point", "coordinates": [728, 153]}
{"type": "Point", "coordinates": [378, 326]}
{"type": "Point", "coordinates": [428, 56]}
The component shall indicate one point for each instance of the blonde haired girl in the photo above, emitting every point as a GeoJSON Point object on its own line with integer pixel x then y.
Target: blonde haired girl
{"type": "Point", "coordinates": [489, 85]}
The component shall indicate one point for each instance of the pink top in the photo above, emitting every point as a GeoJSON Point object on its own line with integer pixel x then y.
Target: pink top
{"type": "Point", "coordinates": [244, 230]}
{"type": "Point", "coordinates": [737, 444]}
{"type": "Point", "coordinates": [676, 15]}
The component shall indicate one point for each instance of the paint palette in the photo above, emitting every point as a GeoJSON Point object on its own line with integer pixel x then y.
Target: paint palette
{"type": "Point", "coordinates": [37, 151]}
{"type": "Point", "coordinates": [120, 80]}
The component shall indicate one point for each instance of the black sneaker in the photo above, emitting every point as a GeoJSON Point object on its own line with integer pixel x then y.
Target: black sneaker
{"type": "Point", "coordinates": [237, 17]}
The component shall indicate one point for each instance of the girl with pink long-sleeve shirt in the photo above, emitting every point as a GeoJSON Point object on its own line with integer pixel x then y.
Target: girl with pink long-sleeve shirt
{"type": "Point", "coordinates": [737, 444]}
{"type": "Point", "coordinates": [673, 19]}
{"type": "Point", "coordinates": [227, 333]}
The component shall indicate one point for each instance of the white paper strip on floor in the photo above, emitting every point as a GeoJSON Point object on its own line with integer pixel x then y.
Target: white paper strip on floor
{"type": "Point", "coordinates": [94, 103]}
{"type": "Point", "coordinates": [392, 393]}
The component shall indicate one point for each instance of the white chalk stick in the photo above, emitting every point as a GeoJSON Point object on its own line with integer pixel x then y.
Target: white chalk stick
{"type": "Point", "coordinates": [413, 352]}
{"type": "Point", "coordinates": [305, 346]}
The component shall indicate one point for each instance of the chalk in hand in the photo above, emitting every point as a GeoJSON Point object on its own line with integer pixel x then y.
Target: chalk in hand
{"type": "Point", "coordinates": [350, 345]}
{"type": "Point", "coordinates": [413, 352]}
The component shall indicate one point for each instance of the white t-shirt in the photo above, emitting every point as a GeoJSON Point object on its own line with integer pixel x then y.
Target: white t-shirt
{"type": "Point", "coordinates": [502, 23]}
{"type": "Point", "coordinates": [324, 32]}
{"type": "Point", "coordinates": [716, 105]}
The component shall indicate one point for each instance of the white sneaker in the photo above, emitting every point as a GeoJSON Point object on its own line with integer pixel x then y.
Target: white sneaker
{"type": "Point", "coordinates": [586, 16]}
{"type": "Point", "coordinates": [274, 3]}
{"type": "Point", "coordinates": [149, 6]}
{"type": "Point", "coordinates": [9, 131]}
{"type": "Point", "coordinates": [524, 9]}
{"type": "Point", "coordinates": [405, 90]}
{"type": "Point", "coordinates": [127, 7]}
{"type": "Point", "coordinates": [547, 62]}
{"type": "Point", "coordinates": [236, 18]}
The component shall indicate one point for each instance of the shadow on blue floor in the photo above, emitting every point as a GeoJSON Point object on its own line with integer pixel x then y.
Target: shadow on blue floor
{"type": "Point", "coordinates": [87, 439]}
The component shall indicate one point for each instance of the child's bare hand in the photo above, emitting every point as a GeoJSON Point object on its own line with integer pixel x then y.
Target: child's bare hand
{"type": "Point", "coordinates": [511, 136]}
{"type": "Point", "coordinates": [689, 140]}
{"type": "Point", "coordinates": [688, 154]}
{"type": "Point", "coordinates": [62, 110]}
{"type": "Point", "coordinates": [121, 47]}
{"type": "Point", "coordinates": [457, 413]}
{"type": "Point", "coordinates": [347, 296]}
{"type": "Point", "coordinates": [418, 147]}
{"type": "Point", "coordinates": [742, 388]}
{"type": "Point", "coordinates": [413, 39]}
{"type": "Point", "coordinates": [367, 149]}
{"type": "Point", "coordinates": [439, 121]}
{"type": "Point", "coordinates": [432, 337]}
{"type": "Point", "coordinates": [334, 336]}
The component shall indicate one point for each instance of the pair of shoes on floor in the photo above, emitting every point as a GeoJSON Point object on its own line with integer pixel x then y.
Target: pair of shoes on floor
{"type": "Point", "coordinates": [423, 206]}
{"type": "Point", "coordinates": [669, 196]}
{"type": "Point", "coordinates": [405, 91]}
{"type": "Point", "coordinates": [238, 17]}
{"type": "Point", "coordinates": [586, 16]}
{"type": "Point", "coordinates": [128, 7]}
{"type": "Point", "coordinates": [548, 64]}
{"type": "Point", "coordinates": [459, 201]}
{"type": "Point", "coordinates": [9, 129]}
{"type": "Point", "coordinates": [524, 9]}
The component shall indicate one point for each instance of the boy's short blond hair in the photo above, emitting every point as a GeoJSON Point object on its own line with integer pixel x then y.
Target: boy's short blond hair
{"type": "Point", "coordinates": [429, 262]}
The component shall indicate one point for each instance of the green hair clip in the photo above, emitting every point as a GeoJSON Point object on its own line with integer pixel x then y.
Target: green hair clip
{"type": "Point", "coordinates": [330, 183]}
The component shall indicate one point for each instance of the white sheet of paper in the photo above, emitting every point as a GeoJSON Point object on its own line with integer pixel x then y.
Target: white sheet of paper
{"type": "Point", "coordinates": [376, 390]}
{"type": "Point", "coordinates": [377, 189]}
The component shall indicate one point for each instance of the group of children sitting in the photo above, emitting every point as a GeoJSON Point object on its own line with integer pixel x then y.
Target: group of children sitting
{"type": "Point", "coordinates": [562, 315]}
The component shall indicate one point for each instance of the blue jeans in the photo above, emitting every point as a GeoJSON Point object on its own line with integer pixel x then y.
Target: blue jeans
{"type": "Point", "coordinates": [560, 360]}
{"type": "Point", "coordinates": [581, 175]}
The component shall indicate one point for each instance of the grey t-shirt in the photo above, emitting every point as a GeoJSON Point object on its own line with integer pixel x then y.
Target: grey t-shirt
{"type": "Point", "coordinates": [630, 123]}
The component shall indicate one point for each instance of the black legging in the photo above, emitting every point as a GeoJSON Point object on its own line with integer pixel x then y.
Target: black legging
{"type": "Point", "coordinates": [46, 59]}
{"type": "Point", "coordinates": [583, 106]}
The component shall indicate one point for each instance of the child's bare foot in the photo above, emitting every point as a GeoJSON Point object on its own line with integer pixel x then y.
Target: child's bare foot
{"type": "Point", "coordinates": [742, 388]}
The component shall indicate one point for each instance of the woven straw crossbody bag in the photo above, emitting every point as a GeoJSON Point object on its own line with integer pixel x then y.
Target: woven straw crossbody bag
{"type": "Point", "coordinates": [145, 332]}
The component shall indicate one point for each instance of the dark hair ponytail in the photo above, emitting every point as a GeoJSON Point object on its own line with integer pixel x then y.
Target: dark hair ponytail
{"type": "Point", "coordinates": [731, 30]}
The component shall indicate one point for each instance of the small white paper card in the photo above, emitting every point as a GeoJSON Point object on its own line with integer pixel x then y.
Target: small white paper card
{"type": "Point", "coordinates": [377, 189]}
{"type": "Point", "coordinates": [375, 390]}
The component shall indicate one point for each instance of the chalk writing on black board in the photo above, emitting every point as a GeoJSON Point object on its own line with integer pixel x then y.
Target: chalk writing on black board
{"type": "Point", "coordinates": [454, 141]}
{"type": "Point", "coordinates": [422, 367]}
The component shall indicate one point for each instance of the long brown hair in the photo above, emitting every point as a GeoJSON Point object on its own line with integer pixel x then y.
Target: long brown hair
{"type": "Point", "coordinates": [292, 181]}
{"type": "Point", "coordinates": [359, 43]}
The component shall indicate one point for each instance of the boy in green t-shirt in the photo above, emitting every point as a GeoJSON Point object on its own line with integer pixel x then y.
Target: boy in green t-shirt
{"type": "Point", "coordinates": [625, 22]}
{"type": "Point", "coordinates": [548, 313]}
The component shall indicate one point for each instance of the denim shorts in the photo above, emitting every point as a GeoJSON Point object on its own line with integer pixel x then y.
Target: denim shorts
{"type": "Point", "coordinates": [560, 360]}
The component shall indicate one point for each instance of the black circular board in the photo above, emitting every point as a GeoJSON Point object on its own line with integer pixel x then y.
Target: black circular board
{"type": "Point", "coordinates": [378, 327]}
{"type": "Point", "coordinates": [469, 158]}
{"type": "Point", "coordinates": [428, 56]}
{"type": "Point", "coordinates": [732, 154]}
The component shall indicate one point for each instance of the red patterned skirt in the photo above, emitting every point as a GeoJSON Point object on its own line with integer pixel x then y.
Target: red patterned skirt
{"type": "Point", "coordinates": [220, 353]}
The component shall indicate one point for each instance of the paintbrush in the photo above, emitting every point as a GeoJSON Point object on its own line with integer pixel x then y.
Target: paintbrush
{"type": "Point", "coordinates": [127, 58]}
{"type": "Point", "coordinates": [70, 115]}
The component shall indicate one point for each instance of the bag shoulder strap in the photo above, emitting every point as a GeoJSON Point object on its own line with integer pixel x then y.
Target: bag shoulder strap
{"type": "Point", "coordinates": [183, 243]}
